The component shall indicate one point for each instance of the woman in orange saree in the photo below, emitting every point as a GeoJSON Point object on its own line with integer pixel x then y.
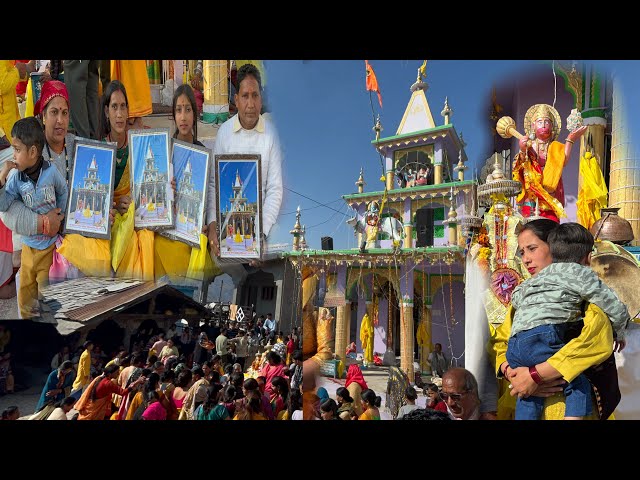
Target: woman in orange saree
{"type": "Point", "coordinates": [95, 402]}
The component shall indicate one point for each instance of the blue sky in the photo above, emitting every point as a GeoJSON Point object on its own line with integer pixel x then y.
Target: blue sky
{"type": "Point", "coordinates": [83, 159]}
{"type": "Point", "coordinates": [180, 156]}
{"type": "Point", "coordinates": [159, 149]}
{"type": "Point", "coordinates": [228, 178]}
{"type": "Point", "coordinates": [324, 117]}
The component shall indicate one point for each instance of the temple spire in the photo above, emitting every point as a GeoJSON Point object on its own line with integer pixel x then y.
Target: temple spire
{"type": "Point", "coordinates": [297, 232]}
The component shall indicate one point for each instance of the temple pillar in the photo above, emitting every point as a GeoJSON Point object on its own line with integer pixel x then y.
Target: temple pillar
{"type": "Point", "coordinates": [437, 160]}
{"type": "Point", "coordinates": [216, 91]}
{"type": "Point", "coordinates": [406, 325]}
{"type": "Point", "coordinates": [407, 340]}
{"type": "Point", "coordinates": [407, 224]}
{"type": "Point", "coordinates": [389, 171]}
{"type": "Point", "coordinates": [342, 315]}
{"type": "Point", "coordinates": [453, 234]}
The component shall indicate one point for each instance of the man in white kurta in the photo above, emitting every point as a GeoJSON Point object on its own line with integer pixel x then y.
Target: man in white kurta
{"type": "Point", "coordinates": [249, 132]}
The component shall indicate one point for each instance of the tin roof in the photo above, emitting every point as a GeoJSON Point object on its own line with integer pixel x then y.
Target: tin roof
{"type": "Point", "coordinates": [91, 299]}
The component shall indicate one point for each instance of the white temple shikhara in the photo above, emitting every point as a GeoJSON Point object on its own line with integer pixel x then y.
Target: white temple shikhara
{"type": "Point", "coordinates": [240, 213]}
{"type": "Point", "coordinates": [91, 196]}
{"type": "Point", "coordinates": [153, 188]}
{"type": "Point", "coordinates": [188, 198]}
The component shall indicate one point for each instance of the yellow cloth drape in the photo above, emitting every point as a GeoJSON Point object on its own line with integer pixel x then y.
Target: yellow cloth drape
{"type": "Point", "coordinates": [132, 251]}
{"type": "Point", "coordinates": [592, 347]}
{"type": "Point", "coordinates": [28, 112]}
{"type": "Point", "coordinates": [9, 113]}
{"type": "Point", "coordinates": [177, 259]}
{"type": "Point", "coordinates": [422, 336]}
{"type": "Point", "coordinates": [592, 195]}
{"type": "Point", "coordinates": [366, 337]}
{"type": "Point", "coordinates": [553, 166]}
{"type": "Point", "coordinates": [96, 257]}
{"type": "Point", "coordinates": [91, 256]}
{"type": "Point", "coordinates": [201, 265]}
{"type": "Point", "coordinates": [133, 74]}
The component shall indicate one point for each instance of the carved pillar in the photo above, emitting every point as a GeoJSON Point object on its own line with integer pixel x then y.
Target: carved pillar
{"type": "Point", "coordinates": [407, 224]}
{"type": "Point", "coordinates": [407, 340]}
{"type": "Point", "coordinates": [389, 173]}
{"type": "Point", "coordinates": [437, 170]}
{"type": "Point", "coordinates": [342, 314]}
{"type": "Point", "coordinates": [406, 326]}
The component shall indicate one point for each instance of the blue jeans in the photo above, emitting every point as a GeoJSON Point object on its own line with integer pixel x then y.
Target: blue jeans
{"type": "Point", "coordinates": [537, 345]}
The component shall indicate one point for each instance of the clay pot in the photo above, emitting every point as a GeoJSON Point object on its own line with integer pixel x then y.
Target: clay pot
{"type": "Point", "coordinates": [612, 227]}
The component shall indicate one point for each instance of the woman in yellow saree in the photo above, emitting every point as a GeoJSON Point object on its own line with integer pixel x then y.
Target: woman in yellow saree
{"type": "Point", "coordinates": [172, 257]}
{"type": "Point", "coordinates": [124, 250]}
{"type": "Point", "coordinates": [591, 347]}
{"type": "Point", "coordinates": [371, 402]}
{"type": "Point", "coordinates": [131, 253]}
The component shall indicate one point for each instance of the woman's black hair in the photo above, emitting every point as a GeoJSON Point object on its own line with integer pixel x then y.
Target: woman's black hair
{"type": "Point", "coordinates": [114, 86]}
{"type": "Point", "coordinates": [229, 393]}
{"type": "Point", "coordinates": [151, 385]}
{"type": "Point", "coordinates": [184, 378]}
{"type": "Point", "coordinates": [282, 385]}
{"type": "Point", "coordinates": [371, 398]}
{"type": "Point", "coordinates": [168, 376]}
{"type": "Point", "coordinates": [212, 398]}
{"type": "Point", "coordinates": [295, 402]}
{"type": "Point", "coordinates": [253, 402]}
{"type": "Point", "coordinates": [274, 357]}
{"type": "Point", "coordinates": [344, 394]}
{"type": "Point", "coordinates": [541, 228]}
{"type": "Point", "coordinates": [185, 89]}
{"type": "Point", "coordinates": [411, 393]}
{"type": "Point", "coordinates": [330, 405]}
{"type": "Point", "coordinates": [109, 369]}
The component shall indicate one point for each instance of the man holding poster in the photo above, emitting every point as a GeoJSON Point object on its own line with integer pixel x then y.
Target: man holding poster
{"type": "Point", "coordinates": [249, 132]}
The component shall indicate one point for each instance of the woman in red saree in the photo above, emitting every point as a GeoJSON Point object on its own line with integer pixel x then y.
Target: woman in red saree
{"type": "Point", "coordinates": [356, 384]}
{"type": "Point", "coordinates": [95, 402]}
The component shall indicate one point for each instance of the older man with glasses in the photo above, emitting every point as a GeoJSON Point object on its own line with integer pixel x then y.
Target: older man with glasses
{"type": "Point", "coordinates": [460, 393]}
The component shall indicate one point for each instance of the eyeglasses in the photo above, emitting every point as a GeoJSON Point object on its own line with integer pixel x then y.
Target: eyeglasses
{"type": "Point", "coordinates": [456, 397]}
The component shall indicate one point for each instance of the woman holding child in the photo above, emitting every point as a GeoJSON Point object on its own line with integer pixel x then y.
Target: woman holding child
{"type": "Point", "coordinates": [592, 347]}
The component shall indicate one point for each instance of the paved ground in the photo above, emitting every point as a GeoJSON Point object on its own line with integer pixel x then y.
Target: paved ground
{"type": "Point", "coordinates": [376, 378]}
{"type": "Point", "coordinates": [26, 399]}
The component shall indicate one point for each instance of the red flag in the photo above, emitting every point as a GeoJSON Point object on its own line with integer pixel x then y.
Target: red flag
{"type": "Point", "coordinates": [372, 81]}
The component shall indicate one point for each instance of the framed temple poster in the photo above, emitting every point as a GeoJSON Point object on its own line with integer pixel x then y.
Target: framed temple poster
{"type": "Point", "coordinates": [191, 171]}
{"type": "Point", "coordinates": [150, 171]}
{"type": "Point", "coordinates": [91, 189]}
{"type": "Point", "coordinates": [239, 207]}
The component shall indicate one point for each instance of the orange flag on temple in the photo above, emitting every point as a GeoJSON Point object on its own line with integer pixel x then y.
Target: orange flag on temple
{"type": "Point", "coordinates": [372, 81]}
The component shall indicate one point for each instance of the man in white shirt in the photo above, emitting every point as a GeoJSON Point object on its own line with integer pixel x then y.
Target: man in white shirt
{"type": "Point", "coordinates": [242, 347]}
{"type": "Point", "coordinates": [269, 324]}
{"type": "Point", "coordinates": [249, 132]}
{"type": "Point", "coordinates": [437, 360]}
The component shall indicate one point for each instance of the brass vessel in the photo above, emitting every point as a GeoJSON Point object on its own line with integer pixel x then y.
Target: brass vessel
{"type": "Point", "coordinates": [612, 227]}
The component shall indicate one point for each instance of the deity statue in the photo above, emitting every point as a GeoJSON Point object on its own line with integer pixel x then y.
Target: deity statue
{"type": "Point", "coordinates": [366, 338]}
{"type": "Point", "coordinates": [539, 164]}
